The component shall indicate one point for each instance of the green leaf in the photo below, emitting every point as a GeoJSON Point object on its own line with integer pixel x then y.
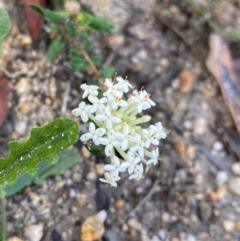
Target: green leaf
{"type": "Point", "coordinates": [97, 150]}
{"type": "Point", "coordinates": [108, 72]}
{"type": "Point", "coordinates": [53, 16]}
{"type": "Point", "coordinates": [102, 25]}
{"type": "Point", "coordinates": [66, 159]}
{"type": "Point", "coordinates": [96, 60]}
{"type": "Point", "coordinates": [43, 145]}
{"type": "Point", "coordinates": [84, 19]}
{"type": "Point", "coordinates": [78, 63]}
{"type": "Point", "coordinates": [4, 26]}
{"type": "Point", "coordinates": [71, 30]}
{"type": "Point", "coordinates": [54, 49]}
{"type": "Point", "coordinates": [22, 181]}
{"type": "Point", "coordinates": [87, 42]}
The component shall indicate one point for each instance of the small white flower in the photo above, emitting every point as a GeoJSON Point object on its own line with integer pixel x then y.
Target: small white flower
{"type": "Point", "coordinates": [123, 84]}
{"type": "Point", "coordinates": [89, 90]}
{"type": "Point", "coordinates": [154, 157]}
{"type": "Point", "coordinates": [114, 166]}
{"type": "Point", "coordinates": [150, 137]}
{"type": "Point", "coordinates": [138, 146]}
{"type": "Point", "coordinates": [111, 178]}
{"type": "Point", "coordinates": [98, 104]}
{"type": "Point", "coordinates": [110, 142]}
{"type": "Point", "coordinates": [158, 130]}
{"type": "Point", "coordinates": [131, 162]}
{"type": "Point", "coordinates": [115, 102]}
{"type": "Point", "coordinates": [113, 90]}
{"type": "Point", "coordinates": [142, 99]}
{"type": "Point", "coordinates": [82, 110]}
{"type": "Point", "coordinates": [108, 118]}
{"type": "Point", "coordinates": [125, 137]}
{"type": "Point", "coordinates": [93, 134]}
{"type": "Point", "coordinates": [138, 172]}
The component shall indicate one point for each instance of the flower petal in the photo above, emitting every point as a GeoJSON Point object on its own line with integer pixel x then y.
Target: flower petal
{"type": "Point", "coordinates": [86, 137]}
{"type": "Point", "coordinates": [108, 150]}
{"type": "Point", "coordinates": [84, 116]}
{"type": "Point", "coordinates": [100, 131]}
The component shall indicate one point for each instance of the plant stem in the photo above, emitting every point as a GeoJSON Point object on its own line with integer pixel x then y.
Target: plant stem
{"type": "Point", "coordinates": [2, 215]}
{"type": "Point", "coordinates": [77, 45]}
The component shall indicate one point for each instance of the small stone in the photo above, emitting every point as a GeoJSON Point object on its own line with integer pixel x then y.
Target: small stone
{"type": "Point", "coordinates": [190, 152]}
{"type": "Point", "coordinates": [236, 168]}
{"type": "Point", "coordinates": [218, 146]}
{"type": "Point", "coordinates": [99, 169]}
{"type": "Point", "coordinates": [93, 227]}
{"type": "Point", "coordinates": [21, 127]}
{"type": "Point", "coordinates": [91, 176]}
{"type": "Point", "coordinates": [162, 234]}
{"type": "Point", "coordinates": [14, 239]}
{"type": "Point", "coordinates": [119, 204]}
{"type": "Point", "coordinates": [72, 193]}
{"type": "Point", "coordinates": [221, 178]}
{"type": "Point", "coordinates": [77, 177]}
{"type": "Point", "coordinates": [164, 62]}
{"type": "Point", "coordinates": [180, 146]}
{"type": "Point", "coordinates": [234, 186]}
{"type": "Point", "coordinates": [237, 226]}
{"type": "Point", "coordinates": [133, 223]}
{"type": "Point", "coordinates": [199, 127]}
{"type": "Point", "coordinates": [74, 210]}
{"type": "Point", "coordinates": [34, 232]}
{"type": "Point", "coordinates": [116, 40]}
{"type": "Point", "coordinates": [186, 81]}
{"type": "Point", "coordinates": [190, 237]}
{"type": "Point", "coordinates": [26, 40]}
{"type": "Point", "coordinates": [155, 238]}
{"type": "Point", "coordinates": [166, 217]}
{"type": "Point", "coordinates": [175, 239]}
{"type": "Point", "coordinates": [228, 225]}
{"type": "Point", "coordinates": [85, 152]}
{"type": "Point", "coordinates": [187, 125]}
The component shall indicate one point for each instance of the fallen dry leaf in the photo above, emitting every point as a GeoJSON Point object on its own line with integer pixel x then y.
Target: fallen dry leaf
{"type": "Point", "coordinates": [33, 19]}
{"type": "Point", "coordinates": [5, 97]}
{"type": "Point", "coordinates": [219, 63]}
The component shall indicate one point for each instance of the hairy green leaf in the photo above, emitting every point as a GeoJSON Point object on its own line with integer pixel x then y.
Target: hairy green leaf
{"type": "Point", "coordinates": [54, 49]}
{"type": "Point", "coordinates": [65, 159]}
{"type": "Point", "coordinates": [4, 26]}
{"type": "Point", "coordinates": [53, 16]}
{"type": "Point", "coordinates": [108, 72]}
{"type": "Point", "coordinates": [43, 145]}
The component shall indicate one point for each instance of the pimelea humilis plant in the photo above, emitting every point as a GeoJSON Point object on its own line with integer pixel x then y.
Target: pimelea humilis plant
{"type": "Point", "coordinates": [115, 124]}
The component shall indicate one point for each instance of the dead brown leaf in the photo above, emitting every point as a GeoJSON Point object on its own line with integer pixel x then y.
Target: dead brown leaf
{"type": "Point", "coordinates": [220, 64]}
{"type": "Point", "coordinates": [5, 97]}
{"type": "Point", "coordinates": [33, 19]}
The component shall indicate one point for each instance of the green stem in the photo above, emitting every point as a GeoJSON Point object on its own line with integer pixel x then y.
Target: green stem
{"type": "Point", "coordinates": [122, 153]}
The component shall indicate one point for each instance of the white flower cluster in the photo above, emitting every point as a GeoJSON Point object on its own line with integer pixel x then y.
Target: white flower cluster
{"type": "Point", "coordinates": [114, 123]}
